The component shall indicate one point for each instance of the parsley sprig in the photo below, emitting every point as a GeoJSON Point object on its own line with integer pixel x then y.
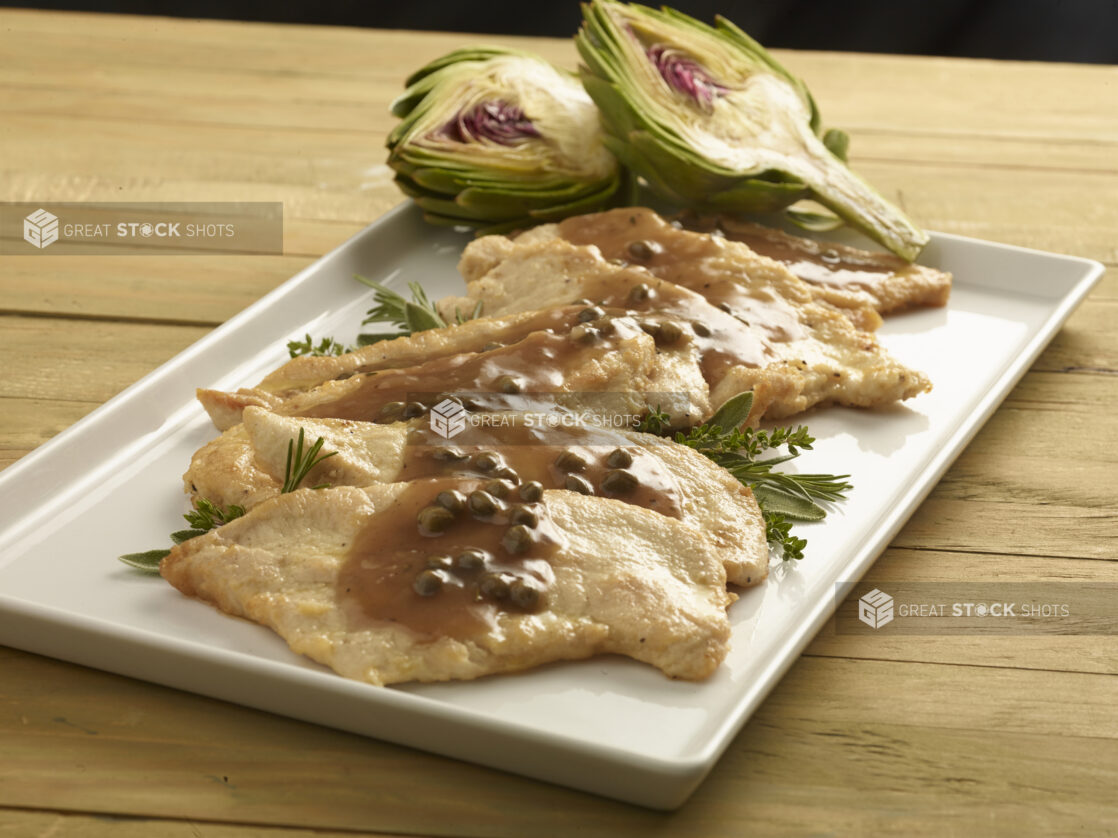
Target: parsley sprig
{"type": "Point", "coordinates": [206, 515]}
{"type": "Point", "coordinates": [784, 497]}
{"type": "Point", "coordinates": [307, 346]}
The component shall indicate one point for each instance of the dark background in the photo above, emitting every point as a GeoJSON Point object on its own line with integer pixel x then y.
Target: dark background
{"type": "Point", "coordinates": [1048, 30]}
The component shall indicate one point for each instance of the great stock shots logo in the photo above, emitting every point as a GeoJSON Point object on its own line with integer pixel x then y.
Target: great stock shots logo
{"type": "Point", "coordinates": [40, 228]}
{"type": "Point", "coordinates": [448, 418]}
{"type": "Point", "coordinates": [875, 609]}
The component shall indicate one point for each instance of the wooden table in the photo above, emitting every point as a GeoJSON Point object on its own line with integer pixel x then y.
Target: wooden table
{"type": "Point", "coordinates": [915, 736]}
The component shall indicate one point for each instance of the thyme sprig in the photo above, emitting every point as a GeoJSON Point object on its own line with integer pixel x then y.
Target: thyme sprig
{"type": "Point", "coordinates": [206, 515]}
{"type": "Point", "coordinates": [784, 497]}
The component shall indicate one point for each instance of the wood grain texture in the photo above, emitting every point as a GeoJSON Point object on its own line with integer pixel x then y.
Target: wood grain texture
{"type": "Point", "coordinates": [881, 735]}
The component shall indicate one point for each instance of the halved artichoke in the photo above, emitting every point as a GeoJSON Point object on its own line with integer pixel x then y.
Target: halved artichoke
{"type": "Point", "coordinates": [710, 120]}
{"type": "Point", "coordinates": [499, 139]}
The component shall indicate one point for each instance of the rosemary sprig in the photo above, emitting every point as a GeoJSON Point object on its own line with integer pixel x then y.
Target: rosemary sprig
{"type": "Point", "coordinates": [207, 515]}
{"type": "Point", "coordinates": [299, 463]}
{"type": "Point", "coordinates": [408, 316]}
{"type": "Point", "coordinates": [783, 497]}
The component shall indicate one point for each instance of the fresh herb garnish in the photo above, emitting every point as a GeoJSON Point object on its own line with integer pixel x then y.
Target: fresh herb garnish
{"type": "Point", "coordinates": [783, 497]}
{"type": "Point", "coordinates": [207, 515]}
{"type": "Point", "coordinates": [408, 316]}
{"type": "Point", "coordinates": [306, 346]}
{"type": "Point", "coordinates": [299, 463]}
{"type": "Point", "coordinates": [203, 518]}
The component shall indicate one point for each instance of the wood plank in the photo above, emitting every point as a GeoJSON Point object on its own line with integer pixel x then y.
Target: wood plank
{"type": "Point", "coordinates": [17, 823]}
{"type": "Point", "coordinates": [203, 289]}
{"type": "Point", "coordinates": [1001, 205]}
{"type": "Point", "coordinates": [28, 423]}
{"type": "Point", "coordinates": [957, 95]}
{"type": "Point", "coordinates": [1087, 343]}
{"type": "Point", "coordinates": [87, 361]}
{"type": "Point", "coordinates": [1025, 529]}
{"type": "Point", "coordinates": [851, 746]}
{"type": "Point", "coordinates": [1071, 653]}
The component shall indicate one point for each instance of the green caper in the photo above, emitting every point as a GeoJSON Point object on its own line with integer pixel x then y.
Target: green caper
{"type": "Point", "coordinates": [639, 293]}
{"type": "Point", "coordinates": [391, 411]}
{"type": "Point", "coordinates": [570, 461]}
{"type": "Point", "coordinates": [532, 492]}
{"type": "Point", "coordinates": [577, 483]}
{"type": "Point", "coordinates": [428, 583]}
{"type": "Point", "coordinates": [448, 455]}
{"type": "Point", "coordinates": [605, 326]}
{"type": "Point", "coordinates": [450, 499]}
{"type": "Point", "coordinates": [591, 313]}
{"type": "Point", "coordinates": [499, 488]}
{"type": "Point", "coordinates": [517, 539]}
{"type": "Point", "coordinates": [582, 301]}
{"type": "Point", "coordinates": [485, 461]}
{"type": "Point", "coordinates": [471, 559]}
{"type": "Point", "coordinates": [413, 409]}
{"type": "Point", "coordinates": [524, 594]}
{"type": "Point", "coordinates": [482, 504]}
{"type": "Point", "coordinates": [668, 333]}
{"type": "Point", "coordinates": [493, 586]}
{"type": "Point", "coordinates": [649, 326]}
{"type": "Point", "coordinates": [619, 482]}
{"type": "Point", "coordinates": [584, 333]}
{"type": "Point", "coordinates": [508, 384]}
{"type": "Point", "coordinates": [524, 515]}
{"type": "Point", "coordinates": [489, 347]}
{"type": "Point", "coordinates": [439, 561]}
{"type": "Point", "coordinates": [434, 519]}
{"type": "Point", "coordinates": [701, 329]}
{"type": "Point", "coordinates": [447, 397]}
{"type": "Point", "coordinates": [726, 307]}
{"type": "Point", "coordinates": [619, 458]}
{"type": "Point", "coordinates": [643, 250]}
{"type": "Point", "coordinates": [507, 473]}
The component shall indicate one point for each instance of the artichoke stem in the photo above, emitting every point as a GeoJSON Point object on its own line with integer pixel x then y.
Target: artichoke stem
{"type": "Point", "coordinates": [860, 205]}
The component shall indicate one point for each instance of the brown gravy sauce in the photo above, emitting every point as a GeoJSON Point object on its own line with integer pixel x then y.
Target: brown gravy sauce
{"type": "Point", "coordinates": [520, 453]}
{"type": "Point", "coordinates": [510, 465]}
{"type": "Point", "coordinates": [815, 262]}
{"type": "Point", "coordinates": [378, 580]}
{"type": "Point", "coordinates": [558, 320]}
{"type": "Point", "coordinates": [762, 316]}
{"type": "Point", "coordinates": [536, 364]}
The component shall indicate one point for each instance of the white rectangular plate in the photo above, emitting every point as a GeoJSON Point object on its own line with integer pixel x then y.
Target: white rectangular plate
{"type": "Point", "coordinates": [111, 485]}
